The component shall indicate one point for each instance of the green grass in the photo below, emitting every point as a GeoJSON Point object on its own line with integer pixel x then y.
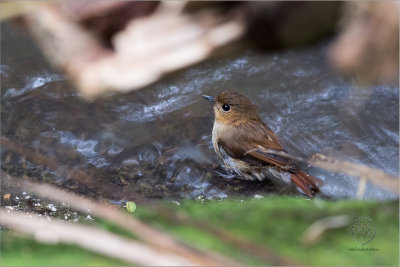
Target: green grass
{"type": "Point", "coordinates": [280, 223]}
{"type": "Point", "coordinates": [276, 222]}
{"type": "Point", "coordinates": [20, 251]}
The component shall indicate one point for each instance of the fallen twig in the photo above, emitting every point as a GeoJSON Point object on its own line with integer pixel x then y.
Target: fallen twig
{"type": "Point", "coordinates": [260, 251]}
{"type": "Point", "coordinates": [315, 231]}
{"type": "Point", "coordinates": [144, 232]}
{"type": "Point", "coordinates": [91, 238]}
{"type": "Point", "coordinates": [362, 184]}
{"type": "Point", "coordinates": [377, 177]}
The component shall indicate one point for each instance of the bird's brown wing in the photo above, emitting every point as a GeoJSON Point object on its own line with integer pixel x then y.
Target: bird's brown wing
{"type": "Point", "coordinates": [252, 146]}
{"type": "Point", "coordinates": [251, 142]}
{"type": "Point", "coordinates": [268, 158]}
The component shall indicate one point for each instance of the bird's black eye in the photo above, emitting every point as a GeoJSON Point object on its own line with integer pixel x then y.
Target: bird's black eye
{"type": "Point", "coordinates": [226, 107]}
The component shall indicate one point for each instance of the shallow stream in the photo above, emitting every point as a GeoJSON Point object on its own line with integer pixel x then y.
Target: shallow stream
{"type": "Point", "coordinates": [156, 143]}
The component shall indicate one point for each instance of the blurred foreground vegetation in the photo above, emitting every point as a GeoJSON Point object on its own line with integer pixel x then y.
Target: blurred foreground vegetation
{"type": "Point", "coordinates": [276, 223]}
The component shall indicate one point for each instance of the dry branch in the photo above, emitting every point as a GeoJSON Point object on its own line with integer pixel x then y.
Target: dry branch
{"type": "Point", "coordinates": [151, 236]}
{"type": "Point", "coordinates": [91, 238]}
{"type": "Point", "coordinates": [318, 228]}
{"type": "Point", "coordinates": [375, 176]}
{"type": "Point", "coordinates": [261, 251]}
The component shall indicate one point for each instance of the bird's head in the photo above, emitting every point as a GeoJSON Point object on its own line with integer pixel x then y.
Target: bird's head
{"type": "Point", "coordinates": [231, 107]}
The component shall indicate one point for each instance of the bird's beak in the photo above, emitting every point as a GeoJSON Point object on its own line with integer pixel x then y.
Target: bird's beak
{"type": "Point", "coordinates": [209, 98]}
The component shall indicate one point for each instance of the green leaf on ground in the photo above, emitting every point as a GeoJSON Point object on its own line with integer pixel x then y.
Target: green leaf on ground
{"type": "Point", "coordinates": [130, 206]}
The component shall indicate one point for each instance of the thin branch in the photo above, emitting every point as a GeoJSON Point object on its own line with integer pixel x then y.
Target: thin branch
{"type": "Point", "coordinates": [136, 227]}
{"type": "Point", "coordinates": [261, 251]}
{"type": "Point", "coordinates": [362, 184]}
{"type": "Point", "coordinates": [318, 228]}
{"type": "Point", "coordinates": [91, 238]}
{"type": "Point", "coordinates": [375, 176]}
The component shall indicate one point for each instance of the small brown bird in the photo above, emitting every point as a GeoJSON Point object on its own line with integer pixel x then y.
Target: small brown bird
{"type": "Point", "coordinates": [241, 140]}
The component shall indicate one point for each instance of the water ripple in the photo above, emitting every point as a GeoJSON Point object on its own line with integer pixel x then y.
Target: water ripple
{"type": "Point", "coordinates": [32, 83]}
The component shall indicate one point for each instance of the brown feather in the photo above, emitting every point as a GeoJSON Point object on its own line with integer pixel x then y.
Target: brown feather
{"type": "Point", "coordinates": [307, 183]}
{"type": "Point", "coordinates": [271, 159]}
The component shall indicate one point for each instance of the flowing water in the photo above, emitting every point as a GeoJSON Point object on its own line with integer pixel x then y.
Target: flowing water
{"type": "Point", "coordinates": [155, 143]}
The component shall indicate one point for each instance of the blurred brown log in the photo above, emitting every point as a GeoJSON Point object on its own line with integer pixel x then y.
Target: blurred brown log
{"type": "Point", "coordinates": [106, 18]}
{"type": "Point", "coordinates": [121, 46]}
{"type": "Point", "coordinates": [148, 47]}
{"type": "Point", "coordinates": [368, 45]}
{"type": "Point", "coordinates": [290, 24]}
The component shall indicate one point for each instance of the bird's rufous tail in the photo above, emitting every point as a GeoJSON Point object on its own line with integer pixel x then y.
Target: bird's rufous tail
{"type": "Point", "coordinates": [308, 184]}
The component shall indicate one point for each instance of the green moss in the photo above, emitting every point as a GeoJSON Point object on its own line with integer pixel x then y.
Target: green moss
{"type": "Point", "coordinates": [200, 239]}
{"type": "Point", "coordinates": [280, 223]}
{"type": "Point", "coordinates": [113, 228]}
{"type": "Point", "coordinates": [20, 251]}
